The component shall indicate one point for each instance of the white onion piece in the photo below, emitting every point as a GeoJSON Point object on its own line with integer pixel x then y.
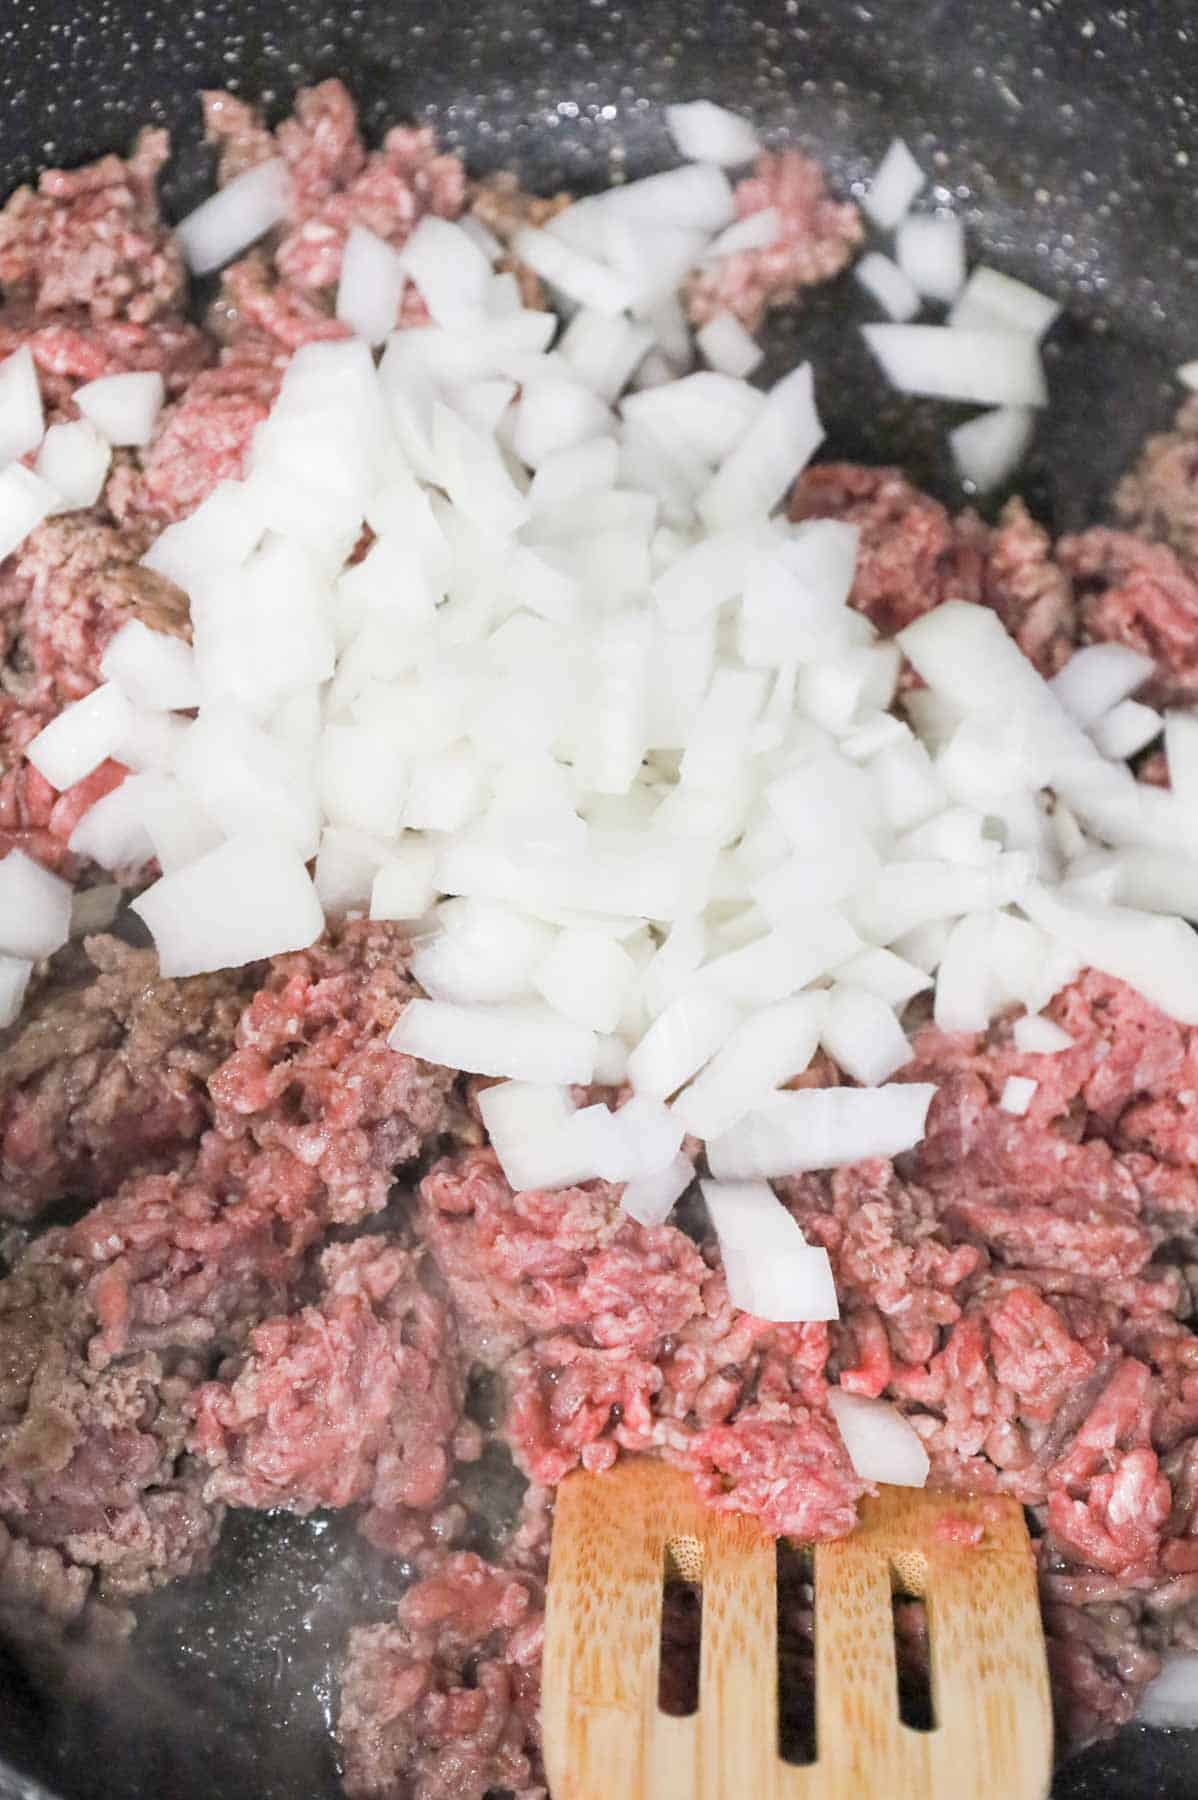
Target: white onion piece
{"type": "Point", "coordinates": [603, 350]}
{"type": "Point", "coordinates": [862, 1035]}
{"type": "Point", "coordinates": [25, 500]}
{"type": "Point", "coordinates": [882, 1444]}
{"type": "Point", "coordinates": [987, 450]}
{"type": "Point", "coordinates": [123, 408]}
{"type": "Point", "coordinates": [371, 285]}
{"type": "Point", "coordinates": [772, 1272]}
{"type": "Point", "coordinates": [1034, 1035]}
{"type": "Point", "coordinates": [991, 301]}
{"type": "Point", "coordinates": [346, 865]}
{"type": "Point", "coordinates": [246, 781]}
{"type": "Point", "coordinates": [552, 416]}
{"type": "Point", "coordinates": [35, 908]}
{"type": "Point", "coordinates": [896, 181]}
{"type": "Point", "coordinates": [1127, 729]}
{"type": "Point", "coordinates": [892, 978]}
{"type": "Point", "coordinates": [526, 1043]}
{"type": "Point", "coordinates": [112, 832]}
{"type": "Point", "coordinates": [574, 472]}
{"type": "Point", "coordinates": [777, 965]}
{"type": "Point", "coordinates": [684, 1036]}
{"type": "Point", "coordinates": [81, 736]}
{"type": "Point", "coordinates": [151, 668]}
{"type": "Point", "coordinates": [524, 1121]}
{"type": "Point", "coordinates": [650, 1199]}
{"type": "Point", "coordinates": [14, 979]}
{"type": "Point", "coordinates": [580, 277]}
{"type": "Point", "coordinates": [822, 1128]}
{"type": "Point", "coordinates": [448, 269]}
{"type": "Point", "coordinates": [405, 885]}
{"type": "Point", "coordinates": [931, 254]}
{"type": "Point", "coordinates": [894, 291]}
{"type": "Point", "coordinates": [232, 219]}
{"type": "Point", "coordinates": [1156, 955]}
{"type": "Point", "coordinates": [639, 1139]}
{"type": "Point", "coordinates": [1171, 1698]}
{"type": "Point", "coordinates": [587, 978]}
{"type": "Point", "coordinates": [697, 197]}
{"type": "Point", "coordinates": [769, 1048]}
{"type": "Point", "coordinates": [220, 533]}
{"type": "Point", "coordinates": [475, 475]}
{"type": "Point", "coordinates": [249, 898]}
{"type": "Point", "coordinates": [1158, 881]}
{"type": "Point", "coordinates": [21, 420]}
{"type": "Point", "coordinates": [704, 132]}
{"type": "Point", "coordinates": [702, 415]}
{"type": "Point", "coordinates": [1017, 1094]}
{"type": "Point", "coordinates": [485, 952]}
{"type": "Point", "coordinates": [777, 446]}
{"type": "Point", "coordinates": [758, 230]}
{"type": "Point", "coordinates": [1097, 677]}
{"type": "Point", "coordinates": [991, 368]}
{"type": "Point", "coordinates": [74, 459]}
{"type": "Point", "coordinates": [726, 346]}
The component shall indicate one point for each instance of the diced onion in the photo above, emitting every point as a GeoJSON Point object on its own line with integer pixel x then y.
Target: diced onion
{"type": "Point", "coordinates": [931, 254]}
{"type": "Point", "coordinates": [21, 421]}
{"type": "Point", "coordinates": [771, 1270]}
{"type": "Point", "coordinates": [882, 1444]}
{"type": "Point", "coordinates": [249, 898]}
{"type": "Point", "coordinates": [991, 368]}
{"type": "Point", "coordinates": [704, 132]}
{"type": "Point", "coordinates": [123, 408]}
{"type": "Point", "coordinates": [894, 291]}
{"type": "Point", "coordinates": [897, 179]}
{"type": "Point", "coordinates": [822, 1128]}
{"type": "Point", "coordinates": [35, 908]}
{"type": "Point", "coordinates": [987, 450]}
{"type": "Point", "coordinates": [522, 1043]}
{"type": "Point", "coordinates": [1017, 1094]}
{"type": "Point", "coordinates": [229, 221]}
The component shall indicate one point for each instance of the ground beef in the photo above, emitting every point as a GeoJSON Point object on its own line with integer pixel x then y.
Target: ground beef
{"type": "Point", "coordinates": [442, 1703]}
{"type": "Point", "coordinates": [311, 1072]}
{"type": "Point", "coordinates": [93, 238]}
{"type": "Point", "coordinates": [205, 437]}
{"type": "Point", "coordinates": [71, 347]}
{"type": "Point", "coordinates": [355, 1399]}
{"type": "Point", "coordinates": [817, 237]}
{"type": "Point", "coordinates": [92, 1460]}
{"type": "Point", "coordinates": [285, 298]}
{"type": "Point", "coordinates": [1159, 496]}
{"type": "Point", "coordinates": [82, 582]}
{"type": "Point", "coordinates": [108, 1075]}
{"type": "Point", "coordinates": [911, 555]}
{"type": "Point", "coordinates": [612, 1336]}
{"type": "Point", "coordinates": [1138, 593]}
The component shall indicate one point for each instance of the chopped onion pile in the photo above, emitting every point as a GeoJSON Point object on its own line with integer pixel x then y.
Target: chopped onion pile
{"type": "Point", "coordinates": [987, 350]}
{"type": "Point", "coordinates": [601, 727]}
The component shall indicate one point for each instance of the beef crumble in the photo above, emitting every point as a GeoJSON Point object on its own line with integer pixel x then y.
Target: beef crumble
{"type": "Point", "coordinates": [210, 1334]}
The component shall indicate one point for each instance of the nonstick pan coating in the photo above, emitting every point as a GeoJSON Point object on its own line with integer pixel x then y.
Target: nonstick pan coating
{"type": "Point", "coordinates": [1064, 132]}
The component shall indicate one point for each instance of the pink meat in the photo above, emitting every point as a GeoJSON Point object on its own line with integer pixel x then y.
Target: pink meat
{"type": "Point", "coordinates": [817, 237]}
{"type": "Point", "coordinates": [450, 1688]}
{"type": "Point", "coordinates": [312, 1073]}
{"type": "Point", "coordinates": [354, 1399]}
{"type": "Point", "coordinates": [93, 238]}
{"type": "Point", "coordinates": [1138, 593]}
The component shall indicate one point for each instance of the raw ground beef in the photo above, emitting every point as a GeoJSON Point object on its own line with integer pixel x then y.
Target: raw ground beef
{"type": "Point", "coordinates": [817, 236]}
{"type": "Point", "coordinates": [212, 1332]}
{"type": "Point", "coordinates": [442, 1703]}
{"type": "Point", "coordinates": [354, 1399]}
{"type": "Point", "coordinates": [311, 1073]}
{"type": "Point", "coordinates": [109, 1074]}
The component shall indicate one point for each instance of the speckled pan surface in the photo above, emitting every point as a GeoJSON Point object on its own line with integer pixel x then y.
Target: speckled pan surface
{"type": "Point", "coordinates": [1067, 135]}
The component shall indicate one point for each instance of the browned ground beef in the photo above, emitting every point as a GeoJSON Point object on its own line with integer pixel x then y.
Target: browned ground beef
{"type": "Point", "coordinates": [106, 1075]}
{"type": "Point", "coordinates": [212, 1332]}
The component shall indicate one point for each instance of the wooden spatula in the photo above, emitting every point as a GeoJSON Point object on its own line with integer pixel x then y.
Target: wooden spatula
{"type": "Point", "coordinates": [615, 1536]}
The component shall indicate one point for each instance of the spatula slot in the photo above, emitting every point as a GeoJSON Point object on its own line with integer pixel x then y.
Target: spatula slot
{"type": "Point", "coordinates": [681, 1628]}
{"type": "Point", "coordinates": [912, 1648]}
{"type": "Point", "coordinates": [796, 1654]}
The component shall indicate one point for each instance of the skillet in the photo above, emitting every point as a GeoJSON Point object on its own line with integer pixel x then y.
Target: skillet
{"type": "Point", "coordinates": [1064, 132]}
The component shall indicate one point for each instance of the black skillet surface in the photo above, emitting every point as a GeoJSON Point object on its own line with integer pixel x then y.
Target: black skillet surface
{"type": "Point", "coordinates": [1065, 134]}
